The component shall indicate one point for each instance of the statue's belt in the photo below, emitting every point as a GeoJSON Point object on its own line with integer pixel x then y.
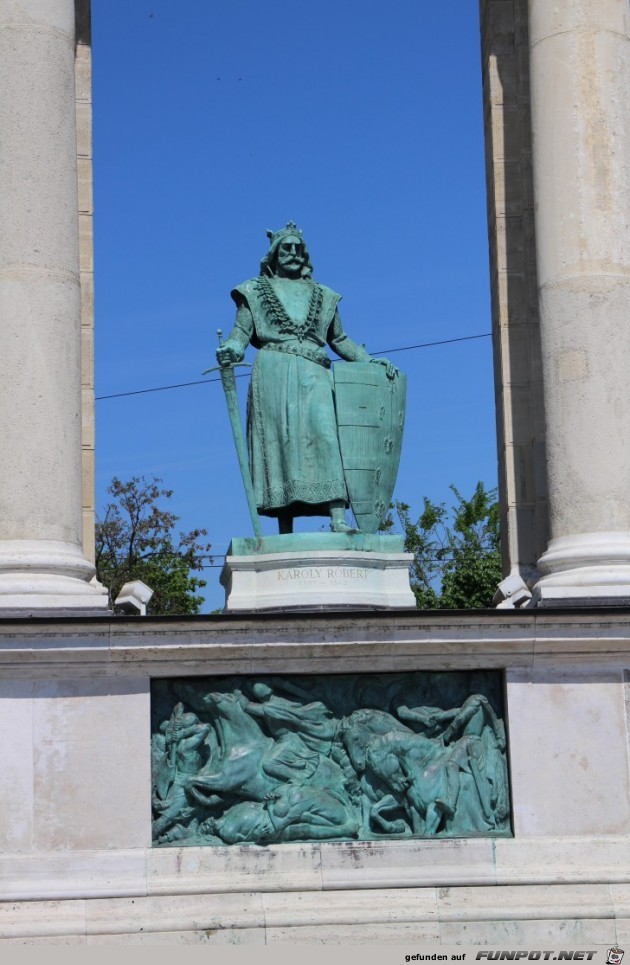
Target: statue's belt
{"type": "Point", "coordinates": [291, 348]}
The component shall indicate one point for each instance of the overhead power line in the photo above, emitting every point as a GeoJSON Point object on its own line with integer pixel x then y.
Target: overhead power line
{"type": "Point", "coordinates": [241, 375]}
{"type": "Point", "coordinates": [443, 341]}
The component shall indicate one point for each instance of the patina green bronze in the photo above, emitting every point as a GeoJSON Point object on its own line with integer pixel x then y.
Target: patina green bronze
{"type": "Point", "coordinates": [337, 757]}
{"type": "Point", "coordinates": [370, 419]}
{"type": "Point", "coordinates": [228, 381]}
{"type": "Point", "coordinates": [301, 542]}
{"type": "Point", "coordinates": [315, 445]}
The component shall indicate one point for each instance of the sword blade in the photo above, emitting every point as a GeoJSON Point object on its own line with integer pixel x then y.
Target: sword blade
{"type": "Point", "coordinates": [229, 387]}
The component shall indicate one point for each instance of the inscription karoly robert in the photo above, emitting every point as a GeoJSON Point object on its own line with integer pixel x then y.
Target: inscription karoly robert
{"type": "Point", "coordinates": [322, 573]}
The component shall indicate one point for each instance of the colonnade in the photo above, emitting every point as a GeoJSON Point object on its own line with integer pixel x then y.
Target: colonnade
{"type": "Point", "coordinates": [579, 66]}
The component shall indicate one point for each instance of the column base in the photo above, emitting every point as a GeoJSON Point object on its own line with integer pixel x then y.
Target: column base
{"type": "Point", "coordinates": [48, 577]}
{"type": "Point", "coordinates": [589, 569]}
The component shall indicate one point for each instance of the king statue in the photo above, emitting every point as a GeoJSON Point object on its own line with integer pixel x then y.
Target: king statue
{"type": "Point", "coordinates": [297, 463]}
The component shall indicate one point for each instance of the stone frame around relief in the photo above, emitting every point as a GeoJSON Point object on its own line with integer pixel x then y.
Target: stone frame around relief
{"type": "Point", "coordinates": [266, 759]}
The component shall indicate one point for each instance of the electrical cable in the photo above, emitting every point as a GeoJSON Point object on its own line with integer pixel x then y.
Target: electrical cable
{"type": "Point", "coordinates": [241, 375]}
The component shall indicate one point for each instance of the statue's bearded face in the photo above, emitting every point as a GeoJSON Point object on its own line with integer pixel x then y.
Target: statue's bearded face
{"type": "Point", "coordinates": [290, 257]}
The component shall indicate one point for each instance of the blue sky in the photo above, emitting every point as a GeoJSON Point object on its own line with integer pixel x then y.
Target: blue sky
{"type": "Point", "coordinates": [215, 121]}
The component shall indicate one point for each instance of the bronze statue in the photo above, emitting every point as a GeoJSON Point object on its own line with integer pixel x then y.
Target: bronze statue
{"type": "Point", "coordinates": [297, 466]}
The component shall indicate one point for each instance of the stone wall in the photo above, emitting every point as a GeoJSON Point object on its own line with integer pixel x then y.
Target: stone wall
{"type": "Point", "coordinates": [75, 825]}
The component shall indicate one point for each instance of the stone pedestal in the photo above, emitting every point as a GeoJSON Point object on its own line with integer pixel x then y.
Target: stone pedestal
{"type": "Point", "coordinates": [77, 866]}
{"type": "Point", "coordinates": [580, 77]}
{"type": "Point", "coordinates": [313, 571]}
{"type": "Point", "coordinates": [42, 566]}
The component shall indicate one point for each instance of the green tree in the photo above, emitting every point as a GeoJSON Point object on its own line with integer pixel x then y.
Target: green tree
{"type": "Point", "coordinates": [135, 541]}
{"type": "Point", "coordinates": [473, 570]}
{"type": "Point", "coordinates": [457, 554]}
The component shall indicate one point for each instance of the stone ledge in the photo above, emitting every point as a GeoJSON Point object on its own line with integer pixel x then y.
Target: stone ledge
{"type": "Point", "coordinates": [560, 914]}
{"type": "Point", "coordinates": [317, 643]}
{"type": "Point", "coordinates": [330, 866]}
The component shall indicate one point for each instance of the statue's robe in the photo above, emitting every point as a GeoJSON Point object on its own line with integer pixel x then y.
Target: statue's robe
{"type": "Point", "coordinates": [291, 426]}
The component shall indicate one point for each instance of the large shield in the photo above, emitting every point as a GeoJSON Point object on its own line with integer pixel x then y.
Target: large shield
{"type": "Point", "coordinates": [370, 420]}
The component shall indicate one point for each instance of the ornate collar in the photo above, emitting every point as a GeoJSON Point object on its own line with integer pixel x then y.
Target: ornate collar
{"type": "Point", "coordinates": [277, 314]}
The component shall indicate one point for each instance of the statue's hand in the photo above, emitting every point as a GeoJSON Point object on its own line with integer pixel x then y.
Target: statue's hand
{"type": "Point", "coordinates": [230, 353]}
{"type": "Point", "coordinates": [391, 370]}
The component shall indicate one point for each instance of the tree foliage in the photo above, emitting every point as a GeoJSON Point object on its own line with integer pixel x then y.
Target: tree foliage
{"type": "Point", "coordinates": [135, 540]}
{"type": "Point", "coordinates": [457, 557]}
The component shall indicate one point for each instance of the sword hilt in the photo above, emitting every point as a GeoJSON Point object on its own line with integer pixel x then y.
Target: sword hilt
{"type": "Point", "coordinates": [230, 365]}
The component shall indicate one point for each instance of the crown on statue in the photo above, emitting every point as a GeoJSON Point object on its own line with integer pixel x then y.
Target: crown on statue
{"type": "Point", "coordinates": [290, 230]}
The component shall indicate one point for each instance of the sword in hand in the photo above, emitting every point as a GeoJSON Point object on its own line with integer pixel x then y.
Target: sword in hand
{"type": "Point", "coordinates": [227, 363]}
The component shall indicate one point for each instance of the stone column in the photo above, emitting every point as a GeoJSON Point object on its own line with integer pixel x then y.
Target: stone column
{"type": "Point", "coordinates": [580, 103]}
{"type": "Point", "coordinates": [41, 561]}
{"type": "Point", "coordinates": [514, 287]}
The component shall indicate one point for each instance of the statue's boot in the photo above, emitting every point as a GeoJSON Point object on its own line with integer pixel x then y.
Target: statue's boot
{"type": "Point", "coordinates": [338, 518]}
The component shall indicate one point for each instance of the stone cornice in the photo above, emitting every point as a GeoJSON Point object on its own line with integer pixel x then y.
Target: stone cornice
{"type": "Point", "coordinates": [593, 640]}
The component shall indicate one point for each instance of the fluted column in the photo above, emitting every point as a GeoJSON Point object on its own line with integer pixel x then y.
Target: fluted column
{"type": "Point", "coordinates": [580, 99]}
{"type": "Point", "coordinates": [41, 562]}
